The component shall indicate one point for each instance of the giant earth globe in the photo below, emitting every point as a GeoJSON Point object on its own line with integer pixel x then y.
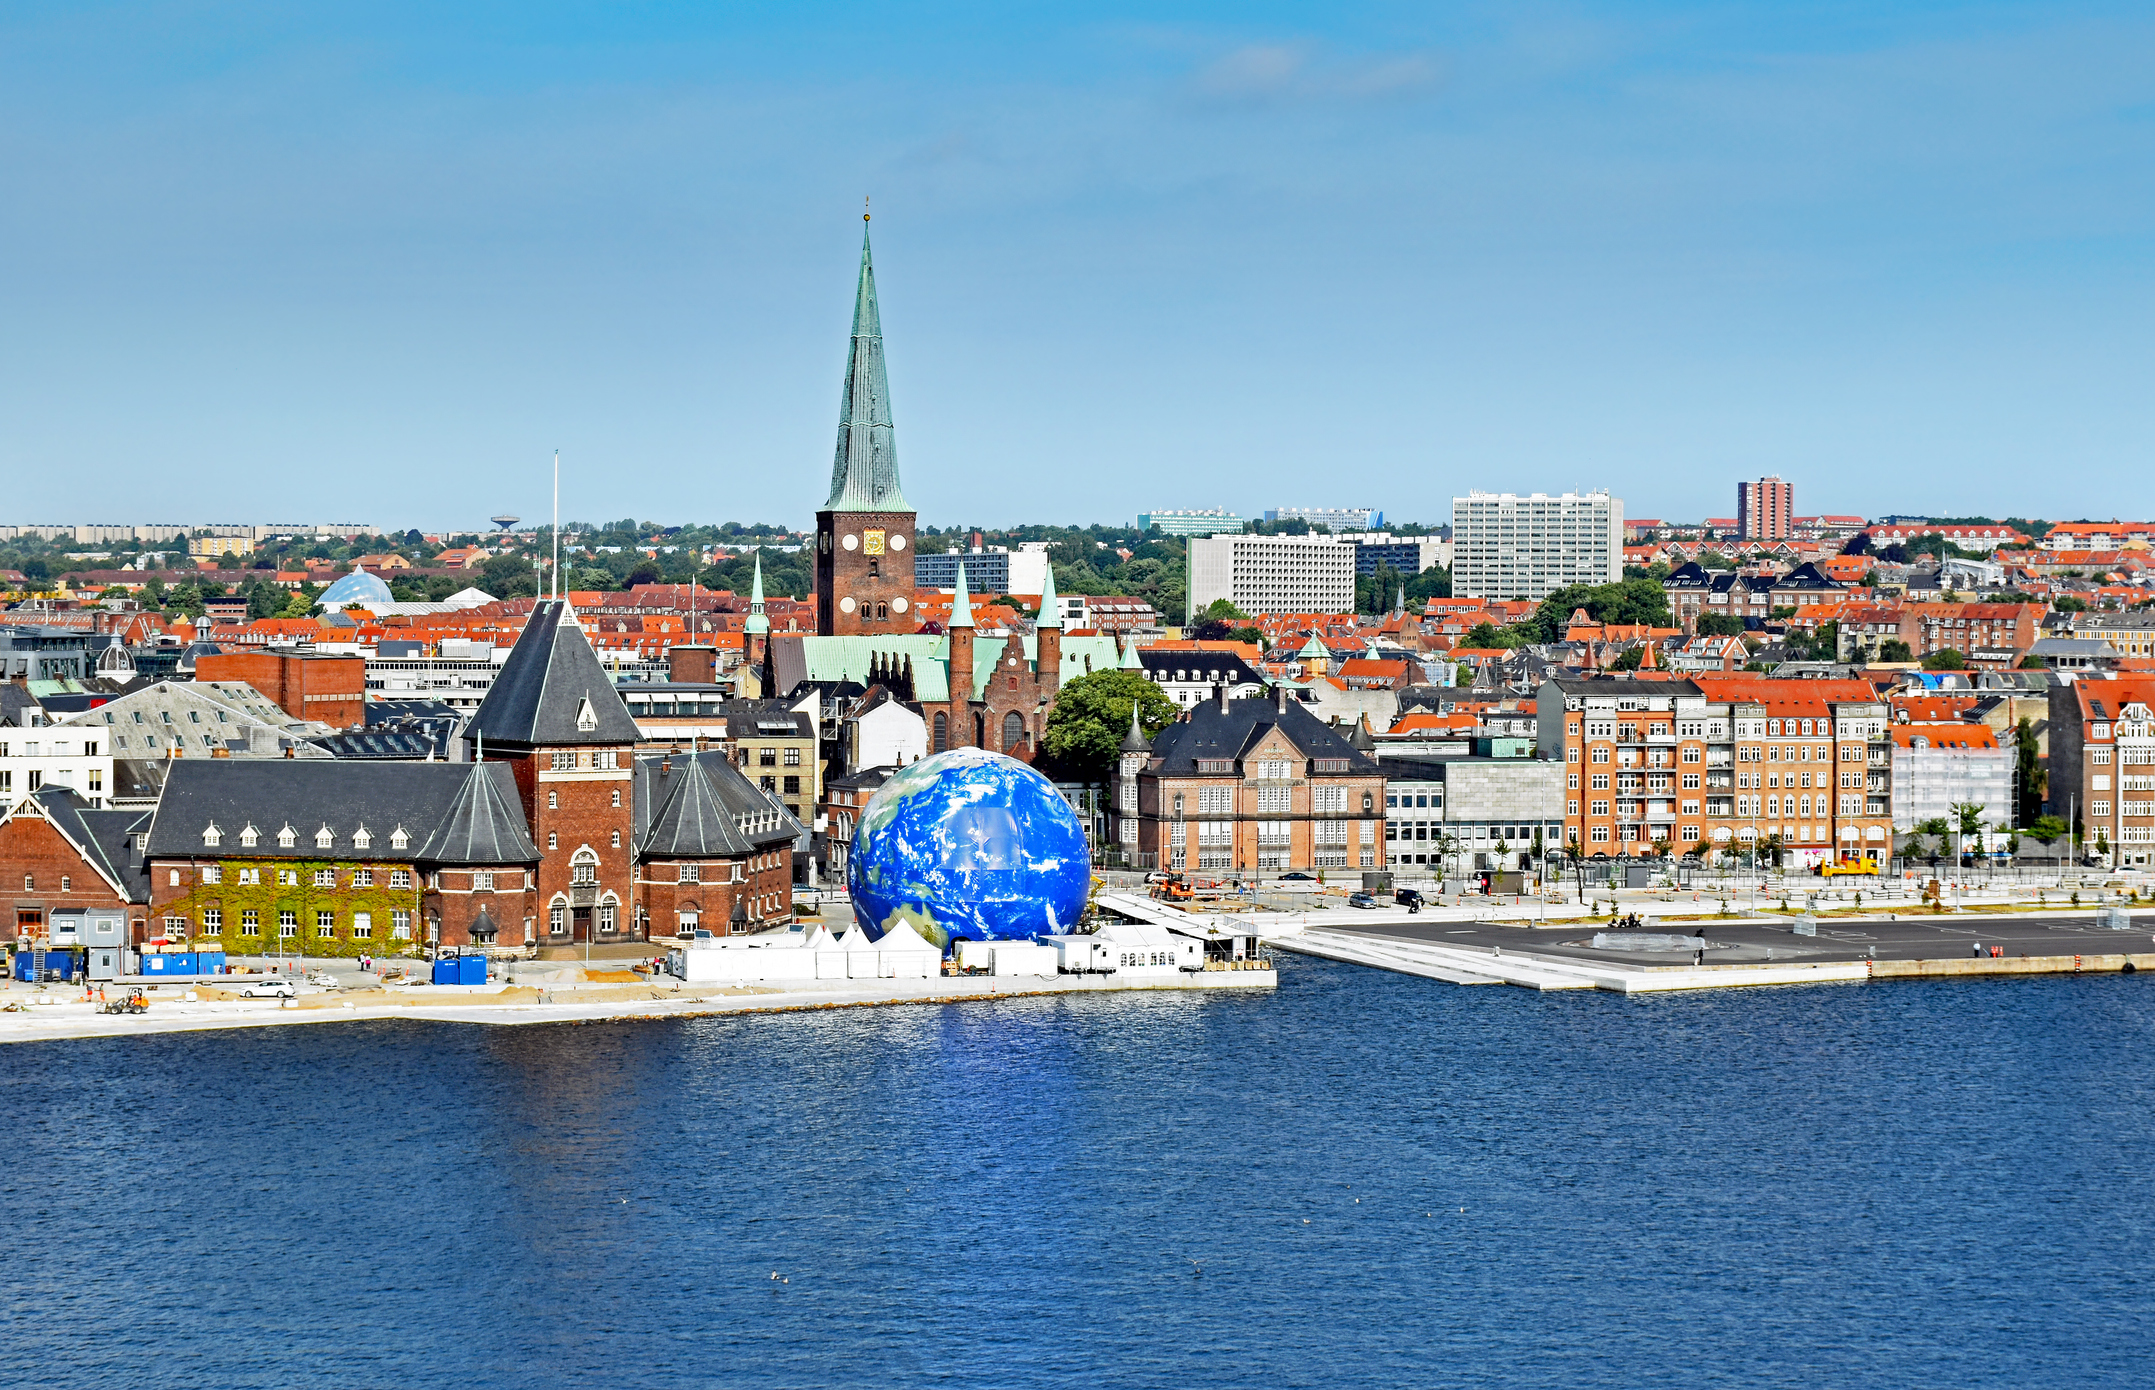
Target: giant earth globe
{"type": "Point", "coordinates": [970, 845]}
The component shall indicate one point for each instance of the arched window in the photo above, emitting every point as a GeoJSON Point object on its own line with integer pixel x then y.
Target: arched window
{"type": "Point", "coordinates": [882, 610]}
{"type": "Point", "coordinates": [1013, 730]}
{"type": "Point", "coordinates": [584, 867]}
{"type": "Point", "coordinates": [942, 732]}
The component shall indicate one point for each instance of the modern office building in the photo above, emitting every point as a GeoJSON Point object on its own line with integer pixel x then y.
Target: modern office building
{"type": "Point", "coordinates": [1399, 554]}
{"type": "Point", "coordinates": [1272, 574]}
{"type": "Point", "coordinates": [1505, 545]}
{"type": "Point", "coordinates": [1334, 519]}
{"type": "Point", "coordinates": [994, 570]}
{"type": "Point", "coordinates": [1766, 509]}
{"type": "Point", "coordinates": [1213, 521]}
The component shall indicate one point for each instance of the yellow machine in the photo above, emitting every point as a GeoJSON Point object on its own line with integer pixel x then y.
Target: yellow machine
{"type": "Point", "coordinates": [1833, 868]}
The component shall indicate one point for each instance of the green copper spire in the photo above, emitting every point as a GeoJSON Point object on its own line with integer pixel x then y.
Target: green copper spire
{"type": "Point", "coordinates": [757, 622]}
{"type": "Point", "coordinates": [961, 607]}
{"type": "Point", "coordinates": [1129, 655]}
{"type": "Point", "coordinates": [1051, 609]}
{"type": "Point", "coordinates": [864, 476]}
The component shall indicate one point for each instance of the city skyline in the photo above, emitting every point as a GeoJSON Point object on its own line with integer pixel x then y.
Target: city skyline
{"type": "Point", "coordinates": [1634, 247]}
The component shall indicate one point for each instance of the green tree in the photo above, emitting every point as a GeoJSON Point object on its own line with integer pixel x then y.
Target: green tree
{"type": "Point", "coordinates": [2069, 603]}
{"type": "Point", "coordinates": [1223, 610]}
{"type": "Point", "coordinates": [1628, 601]}
{"type": "Point", "coordinates": [1720, 625]}
{"type": "Point", "coordinates": [1092, 716]}
{"type": "Point", "coordinates": [1894, 649]}
{"type": "Point", "coordinates": [1434, 582]}
{"type": "Point", "coordinates": [2032, 662]}
{"type": "Point", "coordinates": [1945, 659]}
{"type": "Point", "coordinates": [1488, 635]}
{"type": "Point", "coordinates": [2048, 829]}
{"type": "Point", "coordinates": [2033, 780]}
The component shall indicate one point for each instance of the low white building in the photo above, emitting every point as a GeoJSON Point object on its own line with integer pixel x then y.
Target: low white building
{"type": "Point", "coordinates": [55, 755]}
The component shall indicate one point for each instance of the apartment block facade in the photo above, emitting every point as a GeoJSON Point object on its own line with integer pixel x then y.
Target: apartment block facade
{"type": "Point", "coordinates": [1505, 545]}
{"type": "Point", "coordinates": [1272, 574]}
{"type": "Point", "coordinates": [1766, 509]}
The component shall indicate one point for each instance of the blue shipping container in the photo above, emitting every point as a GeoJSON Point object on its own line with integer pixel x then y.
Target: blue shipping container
{"type": "Point", "coordinates": [168, 963]}
{"type": "Point", "coordinates": [460, 970]}
{"type": "Point", "coordinates": [209, 962]}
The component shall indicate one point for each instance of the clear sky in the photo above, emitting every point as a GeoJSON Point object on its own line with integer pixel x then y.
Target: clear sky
{"type": "Point", "coordinates": [375, 261]}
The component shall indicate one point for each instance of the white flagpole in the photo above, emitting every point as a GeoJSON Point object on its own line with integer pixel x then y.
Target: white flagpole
{"type": "Point", "coordinates": [556, 584]}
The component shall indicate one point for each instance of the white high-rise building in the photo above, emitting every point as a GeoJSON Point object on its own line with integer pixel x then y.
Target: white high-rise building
{"type": "Point", "coordinates": [1508, 546]}
{"type": "Point", "coordinates": [1272, 574]}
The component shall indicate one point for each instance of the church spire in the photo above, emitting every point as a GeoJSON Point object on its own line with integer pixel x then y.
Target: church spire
{"type": "Point", "coordinates": [864, 476]}
{"type": "Point", "coordinates": [1051, 608]}
{"type": "Point", "coordinates": [757, 622]}
{"type": "Point", "coordinates": [961, 606]}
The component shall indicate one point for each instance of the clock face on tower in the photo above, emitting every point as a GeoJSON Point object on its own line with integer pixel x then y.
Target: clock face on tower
{"type": "Point", "coordinates": [864, 573]}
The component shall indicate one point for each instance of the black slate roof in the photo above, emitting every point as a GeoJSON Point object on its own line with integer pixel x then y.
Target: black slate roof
{"type": "Point", "coordinates": [450, 813]}
{"type": "Point", "coordinates": [101, 836]}
{"type": "Point", "coordinates": [701, 807]}
{"type": "Point", "coordinates": [1210, 667]}
{"type": "Point", "coordinates": [1211, 732]}
{"type": "Point", "coordinates": [552, 690]}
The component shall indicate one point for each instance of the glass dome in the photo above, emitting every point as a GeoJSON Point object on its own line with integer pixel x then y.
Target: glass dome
{"type": "Point", "coordinates": [358, 589]}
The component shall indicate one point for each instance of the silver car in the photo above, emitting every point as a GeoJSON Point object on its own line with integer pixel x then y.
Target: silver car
{"type": "Point", "coordinates": [274, 987]}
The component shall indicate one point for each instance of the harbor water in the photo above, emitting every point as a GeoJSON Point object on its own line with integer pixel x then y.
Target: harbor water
{"type": "Point", "coordinates": [1361, 1179]}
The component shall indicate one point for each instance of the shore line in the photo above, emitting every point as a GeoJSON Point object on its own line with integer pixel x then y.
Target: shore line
{"type": "Point", "coordinates": [50, 1022]}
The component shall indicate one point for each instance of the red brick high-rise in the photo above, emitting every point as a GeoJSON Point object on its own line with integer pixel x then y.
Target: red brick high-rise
{"type": "Point", "coordinates": [864, 531]}
{"type": "Point", "coordinates": [1766, 509]}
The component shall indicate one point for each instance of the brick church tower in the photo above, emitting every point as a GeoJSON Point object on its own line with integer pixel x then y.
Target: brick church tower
{"type": "Point", "coordinates": [864, 532]}
{"type": "Point", "coordinates": [555, 718]}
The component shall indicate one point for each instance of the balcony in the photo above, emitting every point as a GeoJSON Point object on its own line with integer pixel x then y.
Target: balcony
{"type": "Point", "coordinates": [1660, 736]}
{"type": "Point", "coordinates": [1720, 757]}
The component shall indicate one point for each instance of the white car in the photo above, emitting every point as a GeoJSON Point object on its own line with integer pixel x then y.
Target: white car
{"type": "Point", "coordinates": [275, 987]}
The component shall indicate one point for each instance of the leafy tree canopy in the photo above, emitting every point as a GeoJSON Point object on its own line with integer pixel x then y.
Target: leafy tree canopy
{"type": "Point", "coordinates": [1091, 716]}
{"type": "Point", "coordinates": [1946, 659]}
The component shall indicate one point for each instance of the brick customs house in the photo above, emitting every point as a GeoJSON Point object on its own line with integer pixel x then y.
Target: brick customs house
{"type": "Point", "coordinates": [555, 835]}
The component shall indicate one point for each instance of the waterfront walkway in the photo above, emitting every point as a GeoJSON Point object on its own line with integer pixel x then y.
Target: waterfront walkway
{"type": "Point", "coordinates": [1738, 950]}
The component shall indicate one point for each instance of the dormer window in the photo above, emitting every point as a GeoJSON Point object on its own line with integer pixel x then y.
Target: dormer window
{"type": "Point", "coordinates": [324, 838]}
{"type": "Point", "coordinates": [287, 837]}
{"type": "Point", "coordinates": [587, 719]}
{"type": "Point", "coordinates": [398, 839]}
{"type": "Point", "coordinates": [248, 836]}
{"type": "Point", "coordinates": [212, 836]}
{"type": "Point", "coordinates": [361, 839]}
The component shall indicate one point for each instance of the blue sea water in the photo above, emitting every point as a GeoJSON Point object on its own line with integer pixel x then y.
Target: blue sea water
{"type": "Point", "coordinates": [1360, 1180]}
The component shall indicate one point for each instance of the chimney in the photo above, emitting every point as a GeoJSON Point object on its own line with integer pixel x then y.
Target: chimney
{"type": "Point", "coordinates": [1279, 698]}
{"type": "Point", "coordinates": [1219, 695]}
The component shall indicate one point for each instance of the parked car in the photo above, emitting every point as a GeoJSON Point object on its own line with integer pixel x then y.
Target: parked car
{"type": "Point", "coordinates": [1361, 900]}
{"type": "Point", "coordinates": [1409, 898]}
{"type": "Point", "coordinates": [1298, 877]}
{"type": "Point", "coordinates": [275, 987]}
{"type": "Point", "coordinates": [1158, 876]}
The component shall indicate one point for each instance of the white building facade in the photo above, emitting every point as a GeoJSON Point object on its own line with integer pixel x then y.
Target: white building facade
{"type": "Point", "coordinates": [1272, 574]}
{"type": "Point", "coordinates": [1505, 545]}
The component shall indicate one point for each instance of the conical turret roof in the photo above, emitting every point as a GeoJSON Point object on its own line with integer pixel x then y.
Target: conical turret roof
{"type": "Point", "coordinates": [1135, 740]}
{"type": "Point", "coordinates": [864, 475]}
{"type": "Point", "coordinates": [552, 689]}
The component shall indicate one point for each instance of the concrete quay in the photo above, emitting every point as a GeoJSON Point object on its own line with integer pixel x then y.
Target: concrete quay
{"type": "Point", "coordinates": [1739, 951]}
{"type": "Point", "coordinates": [515, 1006]}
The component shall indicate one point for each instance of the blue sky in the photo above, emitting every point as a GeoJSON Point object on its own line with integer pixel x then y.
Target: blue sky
{"type": "Point", "coordinates": [376, 262]}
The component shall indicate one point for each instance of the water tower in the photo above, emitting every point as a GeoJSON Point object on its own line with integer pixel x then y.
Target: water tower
{"type": "Point", "coordinates": [505, 522]}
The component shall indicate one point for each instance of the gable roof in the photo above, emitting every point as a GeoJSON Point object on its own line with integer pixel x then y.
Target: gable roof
{"type": "Point", "coordinates": [1211, 732]}
{"type": "Point", "coordinates": [100, 837]}
{"type": "Point", "coordinates": [449, 812]}
{"type": "Point", "coordinates": [552, 689]}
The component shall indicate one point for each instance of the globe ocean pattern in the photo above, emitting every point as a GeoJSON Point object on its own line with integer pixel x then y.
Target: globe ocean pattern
{"type": "Point", "coordinates": [971, 845]}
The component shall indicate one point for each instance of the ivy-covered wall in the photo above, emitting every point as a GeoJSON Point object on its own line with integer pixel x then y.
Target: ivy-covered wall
{"type": "Point", "coordinates": [305, 898]}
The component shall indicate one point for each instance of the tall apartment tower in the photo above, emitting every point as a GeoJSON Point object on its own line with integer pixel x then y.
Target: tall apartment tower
{"type": "Point", "coordinates": [864, 533]}
{"type": "Point", "coordinates": [1508, 546]}
{"type": "Point", "coordinates": [1764, 509]}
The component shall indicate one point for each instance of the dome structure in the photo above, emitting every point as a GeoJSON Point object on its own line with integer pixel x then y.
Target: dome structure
{"type": "Point", "coordinates": [968, 845]}
{"type": "Point", "coordinates": [359, 589]}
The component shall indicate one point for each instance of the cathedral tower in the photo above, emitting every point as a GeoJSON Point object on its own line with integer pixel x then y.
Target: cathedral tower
{"type": "Point", "coordinates": [864, 532]}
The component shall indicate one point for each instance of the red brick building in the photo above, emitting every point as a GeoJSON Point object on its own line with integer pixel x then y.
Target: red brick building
{"type": "Point", "coordinates": [57, 854]}
{"type": "Point", "coordinates": [715, 853]}
{"type": "Point", "coordinates": [305, 685]}
{"type": "Point", "coordinates": [554, 718]}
